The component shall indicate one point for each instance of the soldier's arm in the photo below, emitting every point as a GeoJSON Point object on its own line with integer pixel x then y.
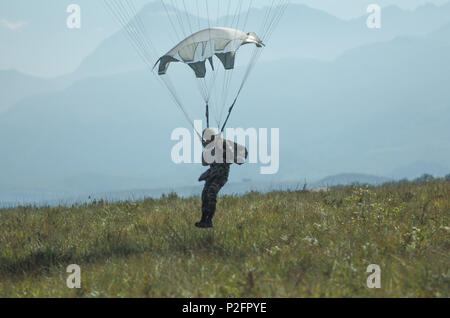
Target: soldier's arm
{"type": "Point", "coordinates": [204, 163]}
{"type": "Point", "coordinates": [205, 175]}
{"type": "Point", "coordinates": [238, 154]}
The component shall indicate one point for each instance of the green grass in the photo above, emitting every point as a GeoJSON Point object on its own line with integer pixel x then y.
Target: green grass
{"type": "Point", "coordinates": [281, 244]}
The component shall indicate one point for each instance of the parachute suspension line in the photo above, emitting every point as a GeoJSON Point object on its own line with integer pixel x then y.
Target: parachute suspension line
{"type": "Point", "coordinates": [234, 25]}
{"type": "Point", "coordinates": [211, 44]}
{"type": "Point", "coordinates": [229, 114]}
{"type": "Point", "coordinates": [142, 30]}
{"type": "Point", "coordinates": [211, 86]}
{"type": "Point", "coordinates": [201, 85]}
{"type": "Point", "coordinates": [228, 22]}
{"type": "Point", "coordinates": [267, 16]}
{"type": "Point", "coordinates": [207, 115]}
{"type": "Point", "coordinates": [226, 75]}
{"type": "Point", "coordinates": [227, 17]}
{"type": "Point", "coordinates": [267, 29]}
{"type": "Point", "coordinates": [201, 88]}
{"type": "Point", "coordinates": [167, 79]}
{"type": "Point", "coordinates": [249, 69]}
{"type": "Point", "coordinates": [270, 23]}
{"type": "Point", "coordinates": [209, 25]}
{"type": "Point", "coordinates": [142, 46]}
{"type": "Point", "coordinates": [218, 13]}
{"type": "Point", "coordinates": [187, 17]}
{"type": "Point", "coordinates": [230, 110]}
{"type": "Point", "coordinates": [213, 80]}
{"type": "Point", "coordinates": [257, 53]}
{"type": "Point", "coordinates": [270, 18]}
{"type": "Point", "coordinates": [135, 30]}
{"type": "Point", "coordinates": [122, 16]}
{"type": "Point", "coordinates": [248, 15]}
{"type": "Point", "coordinates": [179, 18]}
{"type": "Point", "coordinates": [122, 20]}
{"type": "Point", "coordinates": [198, 14]}
{"type": "Point", "coordinates": [180, 21]}
{"type": "Point", "coordinates": [222, 108]}
{"type": "Point", "coordinates": [170, 20]}
{"type": "Point", "coordinates": [278, 19]}
{"type": "Point", "coordinates": [238, 15]}
{"type": "Point", "coordinates": [209, 90]}
{"type": "Point", "coordinates": [170, 87]}
{"type": "Point", "coordinates": [273, 21]}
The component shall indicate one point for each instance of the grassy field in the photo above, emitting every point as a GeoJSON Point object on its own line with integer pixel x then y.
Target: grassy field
{"type": "Point", "coordinates": [281, 244]}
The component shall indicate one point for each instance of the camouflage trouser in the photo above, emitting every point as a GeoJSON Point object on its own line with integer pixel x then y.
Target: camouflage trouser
{"type": "Point", "coordinates": [210, 192]}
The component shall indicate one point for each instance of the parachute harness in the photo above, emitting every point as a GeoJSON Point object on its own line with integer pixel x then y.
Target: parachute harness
{"type": "Point", "coordinates": [182, 17]}
{"type": "Point", "coordinates": [207, 115]}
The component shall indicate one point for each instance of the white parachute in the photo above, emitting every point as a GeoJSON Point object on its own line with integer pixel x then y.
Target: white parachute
{"type": "Point", "coordinates": [203, 45]}
{"type": "Point", "coordinates": [211, 35]}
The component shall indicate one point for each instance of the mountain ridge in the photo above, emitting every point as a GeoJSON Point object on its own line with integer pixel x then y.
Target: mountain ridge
{"type": "Point", "coordinates": [104, 118]}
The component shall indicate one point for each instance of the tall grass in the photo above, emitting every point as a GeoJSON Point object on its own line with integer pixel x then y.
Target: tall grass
{"type": "Point", "coordinates": [281, 244]}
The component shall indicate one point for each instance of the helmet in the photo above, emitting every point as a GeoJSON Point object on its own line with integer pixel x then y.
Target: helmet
{"type": "Point", "coordinates": [209, 134]}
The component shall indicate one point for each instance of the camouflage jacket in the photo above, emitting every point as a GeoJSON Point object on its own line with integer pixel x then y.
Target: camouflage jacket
{"type": "Point", "coordinates": [228, 153]}
{"type": "Point", "coordinates": [216, 171]}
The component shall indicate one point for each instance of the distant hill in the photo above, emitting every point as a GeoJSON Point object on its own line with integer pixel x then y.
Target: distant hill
{"type": "Point", "coordinates": [15, 86]}
{"type": "Point", "coordinates": [276, 245]}
{"type": "Point", "coordinates": [317, 35]}
{"type": "Point", "coordinates": [346, 179]}
{"type": "Point", "coordinates": [51, 49]}
{"type": "Point", "coordinates": [70, 193]}
{"type": "Point", "coordinates": [374, 109]}
{"type": "Point", "coordinates": [441, 34]}
{"type": "Point", "coordinates": [303, 32]}
{"type": "Point", "coordinates": [349, 9]}
{"type": "Point", "coordinates": [419, 168]}
{"type": "Point", "coordinates": [44, 46]}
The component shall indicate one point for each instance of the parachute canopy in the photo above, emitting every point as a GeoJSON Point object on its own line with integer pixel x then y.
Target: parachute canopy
{"type": "Point", "coordinates": [205, 30]}
{"type": "Point", "coordinates": [203, 45]}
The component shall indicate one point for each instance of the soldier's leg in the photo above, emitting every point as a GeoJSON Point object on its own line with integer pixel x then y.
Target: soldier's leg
{"type": "Point", "coordinates": [206, 206]}
{"type": "Point", "coordinates": [205, 201]}
{"type": "Point", "coordinates": [211, 197]}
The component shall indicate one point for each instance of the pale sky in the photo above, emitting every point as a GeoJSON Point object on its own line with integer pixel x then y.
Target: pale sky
{"type": "Point", "coordinates": [347, 9]}
{"type": "Point", "coordinates": [38, 28]}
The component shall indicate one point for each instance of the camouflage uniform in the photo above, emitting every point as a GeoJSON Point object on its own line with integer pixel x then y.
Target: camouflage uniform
{"type": "Point", "coordinates": [216, 177]}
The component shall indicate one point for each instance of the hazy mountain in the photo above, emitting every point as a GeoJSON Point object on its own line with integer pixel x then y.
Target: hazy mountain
{"type": "Point", "coordinates": [441, 34]}
{"type": "Point", "coordinates": [15, 86]}
{"type": "Point", "coordinates": [374, 109]}
{"type": "Point", "coordinates": [317, 34]}
{"type": "Point", "coordinates": [34, 38]}
{"type": "Point", "coordinates": [348, 9]}
{"type": "Point", "coordinates": [345, 179]}
{"type": "Point", "coordinates": [417, 169]}
{"type": "Point", "coordinates": [302, 33]}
